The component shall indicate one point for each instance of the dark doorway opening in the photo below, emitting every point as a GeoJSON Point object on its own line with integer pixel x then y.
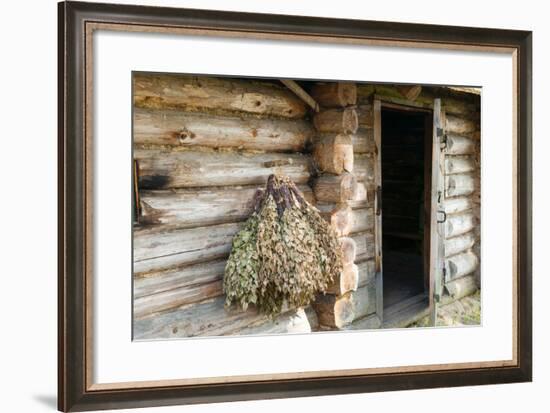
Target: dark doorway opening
{"type": "Point", "coordinates": [406, 186]}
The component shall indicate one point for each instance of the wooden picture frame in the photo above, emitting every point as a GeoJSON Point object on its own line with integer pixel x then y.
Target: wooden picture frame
{"type": "Point", "coordinates": [76, 391]}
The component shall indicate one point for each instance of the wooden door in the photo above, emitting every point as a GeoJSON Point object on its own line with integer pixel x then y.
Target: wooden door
{"type": "Point", "coordinates": [437, 215]}
{"type": "Point", "coordinates": [377, 109]}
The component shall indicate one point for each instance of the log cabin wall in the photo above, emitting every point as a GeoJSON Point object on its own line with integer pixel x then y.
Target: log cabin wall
{"type": "Point", "coordinates": [462, 171]}
{"type": "Point", "coordinates": [343, 159]}
{"type": "Point", "coordinates": [203, 146]}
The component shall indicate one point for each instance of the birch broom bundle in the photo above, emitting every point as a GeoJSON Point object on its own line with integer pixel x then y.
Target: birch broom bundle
{"type": "Point", "coordinates": [286, 252]}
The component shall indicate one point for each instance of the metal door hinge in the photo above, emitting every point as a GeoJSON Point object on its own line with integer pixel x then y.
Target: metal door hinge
{"type": "Point", "coordinates": [378, 200]}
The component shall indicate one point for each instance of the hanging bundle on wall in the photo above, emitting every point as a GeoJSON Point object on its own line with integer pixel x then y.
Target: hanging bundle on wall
{"type": "Point", "coordinates": [286, 252]}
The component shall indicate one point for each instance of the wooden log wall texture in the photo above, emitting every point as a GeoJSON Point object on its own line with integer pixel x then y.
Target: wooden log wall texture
{"type": "Point", "coordinates": [462, 200]}
{"type": "Point", "coordinates": [176, 128]}
{"type": "Point", "coordinates": [342, 158]}
{"type": "Point", "coordinates": [217, 95]}
{"type": "Point", "coordinates": [204, 146]}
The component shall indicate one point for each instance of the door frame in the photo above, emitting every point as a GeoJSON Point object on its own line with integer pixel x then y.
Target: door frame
{"type": "Point", "coordinates": [378, 104]}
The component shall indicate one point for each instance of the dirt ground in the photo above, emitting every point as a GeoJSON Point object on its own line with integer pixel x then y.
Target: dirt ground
{"type": "Point", "coordinates": [466, 311]}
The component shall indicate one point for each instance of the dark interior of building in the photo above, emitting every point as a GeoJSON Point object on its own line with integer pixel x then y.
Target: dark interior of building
{"type": "Point", "coordinates": [406, 160]}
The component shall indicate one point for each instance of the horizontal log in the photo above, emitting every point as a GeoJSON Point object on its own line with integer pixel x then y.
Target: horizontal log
{"type": "Point", "coordinates": [364, 301]}
{"type": "Point", "coordinates": [460, 125]}
{"type": "Point", "coordinates": [338, 215]}
{"type": "Point", "coordinates": [312, 318]}
{"type": "Point", "coordinates": [221, 95]}
{"type": "Point", "coordinates": [339, 311]}
{"type": "Point", "coordinates": [335, 94]}
{"type": "Point", "coordinates": [291, 322]}
{"type": "Point", "coordinates": [364, 242]}
{"type": "Point", "coordinates": [363, 140]}
{"type": "Point", "coordinates": [360, 198]}
{"type": "Point", "coordinates": [365, 91]}
{"type": "Point", "coordinates": [370, 322]}
{"type": "Point", "coordinates": [345, 220]}
{"type": "Point", "coordinates": [333, 153]}
{"type": "Point", "coordinates": [365, 115]}
{"type": "Point", "coordinates": [460, 288]}
{"type": "Point", "coordinates": [170, 127]}
{"type": "Point", "coordinates": [157, 249]}
{"type": "Point", "coordinates": [166, 300]}
{"type": "Point", "coordinates": [456, 205]}
{"type": "Point", "coordinates": [191, 275]}
{"type": "Point", "coordinates": [336, 121]}
{"type": "Point", "coordinates": [462, 107]}
{"type": "Point", "coordinates": [207, 318]}
{"type": "Point", "coordinates": [349, 250]}
{"type": "Point", "coordinates": [409, 92]}
{"type": "Point", "coordinates": [362, 219]}
{"type": "Point", "coordinates": [161, 168]}
{"type": "Point", "coordinates": [346, 281]}
{"type": "Point", "coordinates": [460, 265]}
{"type": "Point", "coordinates": [450, 104]}
{"type": "Point", "coordinates": [459, 244]}
{"type": "Point", "coordinates": [460, 185]}
{"type": "Point", "coordinates": [334, 311]}
{"type": "Point", "coordinates": [201, 206]}
{"type": "Point", "coordinates": [459, 145]}
{"type": "Point", "coordinates": [367, 272]}
{"type": "Point", "coordinates": [459, 164]}
{"type": "Point", "coordinates": [363, 168]}
{"type": "Point", "coordinates": [459, 224]}
{"type": "Point", "coordinates": [335, 188]}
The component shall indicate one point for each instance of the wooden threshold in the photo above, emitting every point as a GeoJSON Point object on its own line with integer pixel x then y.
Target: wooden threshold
{"type": "Point", "coordinates": [406, 312]}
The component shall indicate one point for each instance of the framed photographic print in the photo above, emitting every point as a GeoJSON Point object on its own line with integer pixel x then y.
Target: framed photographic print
{"type": "Point", "coordinates": [261, 206]}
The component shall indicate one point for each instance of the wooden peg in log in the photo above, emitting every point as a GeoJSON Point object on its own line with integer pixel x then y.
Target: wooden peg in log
{"type": "Point", "coordinates": [334, 153]}
{"type": "Point", "coordinates": [335, 188]}
{"type": "Point", "coordinates": [336, 121]}
{"type": "Point", "coordinates": [335, 94]}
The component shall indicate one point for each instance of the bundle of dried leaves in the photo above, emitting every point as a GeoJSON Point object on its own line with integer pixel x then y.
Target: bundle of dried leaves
{"type": "Point", "coordinates": [286, 252]}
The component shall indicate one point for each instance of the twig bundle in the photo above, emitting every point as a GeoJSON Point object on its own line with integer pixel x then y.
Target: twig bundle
{"type": "Point", "coordinates": [286, 252]}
